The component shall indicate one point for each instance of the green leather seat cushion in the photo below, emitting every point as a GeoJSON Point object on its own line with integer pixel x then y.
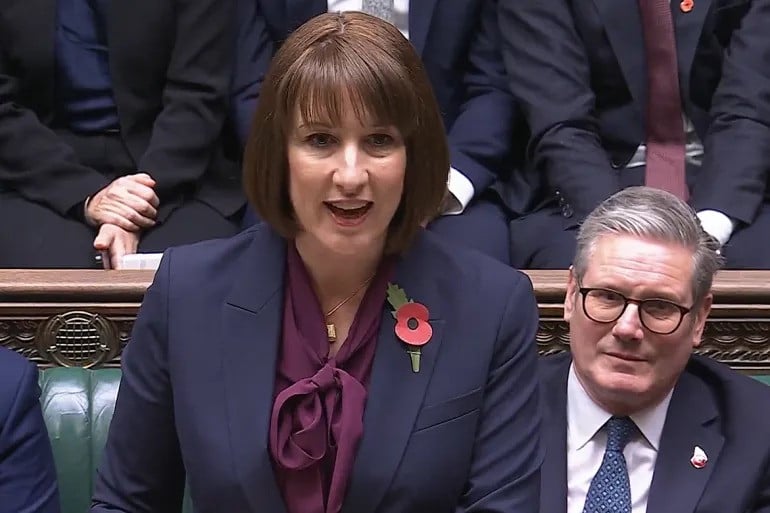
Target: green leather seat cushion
{"type": "Point", "coordinates": [77, 407]}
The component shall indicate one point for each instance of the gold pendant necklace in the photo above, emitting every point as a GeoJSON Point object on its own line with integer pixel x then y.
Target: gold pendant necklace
{"type": "Point", "coordinates": [331, 330]}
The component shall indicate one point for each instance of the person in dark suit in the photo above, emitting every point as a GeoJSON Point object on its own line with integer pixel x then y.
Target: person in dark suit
{"type": "Point", "coordinates": [341, 358]}
{"type": "Point", "coordinates": [459, 43]}
{"type": "Point", "coordinates": [27, 471]}
{"type": "Point", "coordinates": [633, 420]}
{"type": "Point", "coordinates": [111, 128]}
{"type": "Point", "coordinates": [618, 93]}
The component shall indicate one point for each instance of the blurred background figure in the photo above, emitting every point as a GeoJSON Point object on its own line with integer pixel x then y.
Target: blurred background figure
{"type": "Point", "coordinates": [112, 128]}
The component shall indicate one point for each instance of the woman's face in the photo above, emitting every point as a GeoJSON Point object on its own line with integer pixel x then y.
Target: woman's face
{"type": "Point", "coordinates": [345, 182]}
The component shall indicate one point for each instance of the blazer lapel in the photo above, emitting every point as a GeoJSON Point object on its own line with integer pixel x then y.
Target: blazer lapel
{"type": "Point", "coordinates": [420, 15]}
{"type": "Point", "coordinates": [676, 484]}
{"type": "Point", "coordinates": [251, 327]}
{"type": "Point", "coordinates": [553, 481]}
{"type": "Point", "coordinates": [395, 393]}
{"type": "Point", "coordinates": [623, 25]}
{"type": "Point", "coordinates": [688, 27]}
{"type": "Point", "coordinates": [300, 11]}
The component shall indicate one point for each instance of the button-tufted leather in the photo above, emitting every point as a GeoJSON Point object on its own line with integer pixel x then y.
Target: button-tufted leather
{"type": "Point", "coordinates": [77, 407]}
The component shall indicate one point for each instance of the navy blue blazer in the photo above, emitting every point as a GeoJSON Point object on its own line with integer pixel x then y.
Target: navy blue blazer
{"type": "Point", "coordinates": [27, 471]}
{"type": "Point", "coordinates": [578, 69]}
{"type": "Point", "coordinates": [460, 47]}
{"type": "Point", "coordinates": [723, 412]}
{"type": "Point", "coordinates": [197, 390]}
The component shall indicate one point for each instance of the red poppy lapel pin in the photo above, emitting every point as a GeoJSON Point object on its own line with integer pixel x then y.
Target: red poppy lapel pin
{"type": "Point", "coordinates": [412, 326]}
{"type": "Point", "coordinates": [686, 5]}
{"type": "Point", "coordinates": [699, 458]}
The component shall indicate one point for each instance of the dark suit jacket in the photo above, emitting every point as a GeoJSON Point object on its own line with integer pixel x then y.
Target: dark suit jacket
{"type": "Point", "coordinates": [578, 70]}
{"type": "Point", "coordinates": [198, 378]}
{"type": "Point", "coordinates": [27, 472]}
{"type": "Point", "coordinates": [170, 64]}
{"type": "Point", "coordinates": [459, 42]}
{"type": "Point", "coordinates": [713, 407]}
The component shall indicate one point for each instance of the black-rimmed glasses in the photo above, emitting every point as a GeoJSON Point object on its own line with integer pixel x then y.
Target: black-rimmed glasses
{"type": "Point", "coordinates": [660, 316]}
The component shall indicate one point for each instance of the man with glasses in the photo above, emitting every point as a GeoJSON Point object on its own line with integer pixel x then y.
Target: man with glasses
{"type": "Point", "coordinates": [634, 421]}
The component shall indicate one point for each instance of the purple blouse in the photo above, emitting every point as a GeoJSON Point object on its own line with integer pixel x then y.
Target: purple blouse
{"type": "Point", "coordinates": [317, 418]}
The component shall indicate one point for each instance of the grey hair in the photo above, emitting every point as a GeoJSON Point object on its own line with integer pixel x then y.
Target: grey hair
{"type": "Point", "coordinates": [656, 215]}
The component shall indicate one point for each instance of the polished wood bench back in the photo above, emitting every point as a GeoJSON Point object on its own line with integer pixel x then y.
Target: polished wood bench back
{"type": "Point", "coordinates": [84, 317]}
{"type": "Point", "coordinates": [71, 318]}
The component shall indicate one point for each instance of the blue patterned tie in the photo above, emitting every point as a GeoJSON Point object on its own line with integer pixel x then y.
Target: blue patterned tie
{"type": "Point", "coordinates": [610, 491]}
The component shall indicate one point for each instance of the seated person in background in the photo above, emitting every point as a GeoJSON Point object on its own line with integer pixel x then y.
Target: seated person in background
{"type": "Point", "coordinates": [27, 472]}
{"type": "Point", "coordinates": [111, 122]}
{"type": "Point", "coordinates": [635, 422]}
{"type": "Point", "coordinates": [674, 95]}
{"type": "Point", "coordinates": [288, 385]}
{"type": "Point", "coordinates": [459, 43]}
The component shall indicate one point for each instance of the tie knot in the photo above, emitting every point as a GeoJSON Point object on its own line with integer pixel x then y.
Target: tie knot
{"type": "Point", "coordinates": [325, 378]}
{"type": "Point", "coordinates": [619, 431]}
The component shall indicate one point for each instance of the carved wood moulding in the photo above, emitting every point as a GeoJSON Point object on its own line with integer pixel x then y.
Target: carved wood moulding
{"type": "Point", "coordinates": [76, 338]}
{"type": "Point", "coordinates": [84, 318]}
{"type": "Point", "coordinates": [741, 343]}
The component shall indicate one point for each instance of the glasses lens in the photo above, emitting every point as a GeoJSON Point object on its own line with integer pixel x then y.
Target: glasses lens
{"type": "Point", "coordinates": [603, 305]}
{"type": "Point", "coordinates": [660, 316]}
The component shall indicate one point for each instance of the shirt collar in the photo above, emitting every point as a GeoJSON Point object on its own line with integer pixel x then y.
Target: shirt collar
{"type": "Point", "coordinates": [585, 418]}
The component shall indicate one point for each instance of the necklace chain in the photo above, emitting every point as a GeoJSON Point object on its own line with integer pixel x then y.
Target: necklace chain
{"type": "Point", "coordinates": [331, 331]}
{"type": "Point", "coordinates": [351, 296]}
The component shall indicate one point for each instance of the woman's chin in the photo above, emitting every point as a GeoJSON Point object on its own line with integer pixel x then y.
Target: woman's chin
{"type": "Point", "coordinates": [331, 240]}
{"type": "Point", "coordinates": [352, 244]}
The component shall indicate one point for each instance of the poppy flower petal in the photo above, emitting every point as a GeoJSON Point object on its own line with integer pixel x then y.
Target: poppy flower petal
{"type": "Point", "coordinates": [416, 337]}
{"type": "Point", "coordinates": [416, 310]}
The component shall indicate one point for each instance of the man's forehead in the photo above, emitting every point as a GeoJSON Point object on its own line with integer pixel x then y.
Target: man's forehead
{"type": "Point", "coordinates": [613, 246]}
{"type": "Point", "coordinates": [631, 261]}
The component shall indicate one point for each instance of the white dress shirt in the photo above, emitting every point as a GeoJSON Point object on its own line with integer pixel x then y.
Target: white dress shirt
{"type": "Point", "coordinates": [587, 441]}
{"type": "Point", "coordinates": [459, 186]}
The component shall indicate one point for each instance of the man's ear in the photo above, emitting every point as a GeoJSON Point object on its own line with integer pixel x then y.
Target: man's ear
{"type": "Point", "coordinates": [700, 319]}
{"type": "Point", "coordinates": [570, 295]}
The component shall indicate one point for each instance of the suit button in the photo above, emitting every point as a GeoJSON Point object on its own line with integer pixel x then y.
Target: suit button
{"type": "Point", "coordinates": [566, 210]}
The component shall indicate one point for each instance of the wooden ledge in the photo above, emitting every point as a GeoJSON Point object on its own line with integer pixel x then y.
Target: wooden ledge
{"type": "Point", "coordinates": [84, 317]}
{"type": "Point", "coordinates": [29, 285]}
{"type": "Point", "coordinates": [128, 286]}
{"type": "Point", "coordinates": [738, 287]}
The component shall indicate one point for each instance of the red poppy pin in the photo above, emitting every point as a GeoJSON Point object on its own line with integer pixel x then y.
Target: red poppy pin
{"type": "Point", "coordinates": [412, 325]}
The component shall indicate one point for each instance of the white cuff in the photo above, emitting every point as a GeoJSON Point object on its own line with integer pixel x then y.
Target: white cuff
{"type": "Point", "coordinates": [461, 193]}
{"type": "Point", "coordinates": [717, 224]}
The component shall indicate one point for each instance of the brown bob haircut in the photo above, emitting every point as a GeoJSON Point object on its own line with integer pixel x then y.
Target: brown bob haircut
{"type": "Point", "coordinates": [331, 60]}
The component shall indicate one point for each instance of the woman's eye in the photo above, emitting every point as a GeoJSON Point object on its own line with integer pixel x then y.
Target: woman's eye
{"type": "Point", "coordinates": [320, 140]}
{"type": "Point", "coordinates": [380, 140]}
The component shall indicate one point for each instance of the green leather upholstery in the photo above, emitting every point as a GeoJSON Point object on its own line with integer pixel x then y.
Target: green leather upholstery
{"type": "Point", "coordinates": [77, 406]}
